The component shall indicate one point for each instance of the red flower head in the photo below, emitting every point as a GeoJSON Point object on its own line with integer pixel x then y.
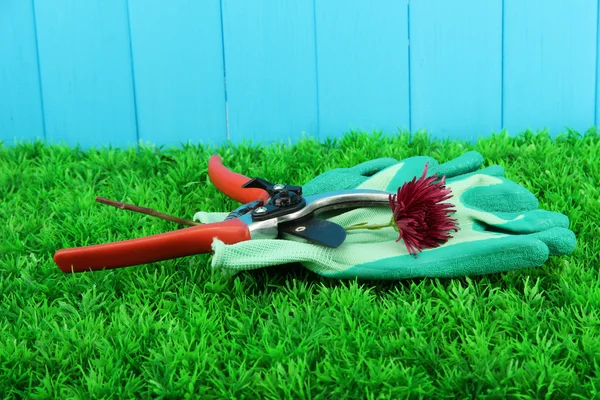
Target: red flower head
{"type": "Point", "coordinates": [420, 216]}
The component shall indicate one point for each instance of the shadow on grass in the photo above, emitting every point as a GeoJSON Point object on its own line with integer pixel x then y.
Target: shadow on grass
{"type": "Point", "coordinates": [272, 279]}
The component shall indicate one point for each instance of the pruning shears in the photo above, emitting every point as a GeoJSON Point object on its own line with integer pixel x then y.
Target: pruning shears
{"type": "Point", "coordinates": [269, 211]}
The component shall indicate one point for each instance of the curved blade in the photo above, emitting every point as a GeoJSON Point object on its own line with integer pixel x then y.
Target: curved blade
{"type": "Point", "coordinates": [316, 231]}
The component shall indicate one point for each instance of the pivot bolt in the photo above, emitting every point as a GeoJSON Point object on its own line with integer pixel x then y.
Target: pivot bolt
{"type": "Point", "coordinates": [279, 186]}
{"type": "Point", "coordinates": [300, 229]}
{"type": "Point", "coordinates": [261, 210]}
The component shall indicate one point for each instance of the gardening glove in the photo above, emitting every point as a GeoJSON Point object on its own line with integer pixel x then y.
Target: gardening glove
{"type": "Point", "coordinates": [501, 229]}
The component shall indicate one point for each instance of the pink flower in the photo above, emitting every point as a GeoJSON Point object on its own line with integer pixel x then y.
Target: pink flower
{"type": "Point", "coordinates": [420, 214]}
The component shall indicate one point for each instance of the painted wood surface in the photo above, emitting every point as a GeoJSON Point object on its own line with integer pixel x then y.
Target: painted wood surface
{"type": "Point", "coordinates": [270, 69]}
{"type": "Point", "coordinates": [550, 53]}
{"type": "Point", "coordinates": [121, 72]}
{"type": "Point", "coordinates": [456, 67]}
{"type": "Point", "coordinates": [85, 69]}
{"type": "Point", "coordinates": [178, 70]}
{"type": "Point", "coordinates": [21, 116]}
{"type": "Point", "coordinates": [597, 86]}
{"type": "Point", "coordinates": [362, 65]}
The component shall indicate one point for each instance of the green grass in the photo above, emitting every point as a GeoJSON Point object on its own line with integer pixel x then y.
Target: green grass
{"type": "Point", "coordinates": [177, 330]}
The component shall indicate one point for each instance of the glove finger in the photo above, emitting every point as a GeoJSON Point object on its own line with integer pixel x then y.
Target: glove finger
{"type": "Point", "coordinates": [209, 217]}
{"type": "Point", "coordinates": [414, 166]}
{"type": "Point", "coordinates": [521, 223]}
{"type": "Point", "coordinates": [492, 171]}
{"type": "Point", "coordinates": [371, 167]}
{"type": "Point", "coordinates": [505, 253]}
{"type": "Point", "coordinates": [346, 178]}
{"type": "Point", "coordinates": [393, 177]}
{"type": "Point", "coordinates": [486, 192]}
{"type": "Point", "coordinates": [560, 241]}
{"type": "Point", "coordinates": [468, 162]}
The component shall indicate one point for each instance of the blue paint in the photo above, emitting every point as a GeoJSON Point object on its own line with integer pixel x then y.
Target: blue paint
{"type": "Point", "coordinates": [410, 129]}
{"type": "Point", "coordinates": [318, 127]}
{"type": "Point", "coordinates": [21, 116]}
{"type": "Point", "coordinates": [85, 70]}
{"type": "Point", "coordinates": [549, 64]}
{"type": "Point", "coordinates": [135, 102]}
{"type": "Point", "coordinates": [456, 76]}
{"type": "Point", "coordinates": [597, 87]}
{"type": "Point", "coordinates": [362, 66]}
{"type": "Point", "coordinates": [108, 73]}
{"type": "Point", "coordinates": [502, 68]}
{"type": "Point", "coordinates": [224, 67]}
{"type": "Point", "coordinates": [178, 69]}
{"type": "Point", "coordinates": [270, 62]}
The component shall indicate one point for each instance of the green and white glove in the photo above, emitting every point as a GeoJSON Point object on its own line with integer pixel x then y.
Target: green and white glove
{"type": "Point", "coordinates": [501, 229]}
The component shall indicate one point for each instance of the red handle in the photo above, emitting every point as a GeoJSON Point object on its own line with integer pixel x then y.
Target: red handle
{"type": "Point", "coordinates": [165, 246]}
{"type": "Point", "coordinates": [230, 183]}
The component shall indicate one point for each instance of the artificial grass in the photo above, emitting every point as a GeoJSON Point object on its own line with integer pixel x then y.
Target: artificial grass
{"type": "Point", "coordinates": [177, 330]}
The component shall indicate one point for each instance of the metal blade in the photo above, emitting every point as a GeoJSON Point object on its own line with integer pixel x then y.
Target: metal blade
{"type": "Point", "coordinates": [316, 231]}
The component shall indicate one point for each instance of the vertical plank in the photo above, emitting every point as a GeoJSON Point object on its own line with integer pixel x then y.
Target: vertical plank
{"type": "Point", "coordinates": [270, 69]}
{"type": "Point", "coordinates": [597, 87]}
{"type": "Point", "coordinates": [362, 65]}
{"type": "Point", "coordinates": [21, 115]}
{"type": "Point", "coordinates": [456, 67]}
{"type": "Point", "coordinates": [86, 75]}
{"type": "Point", "coordinates": [178, 70]}
{"type": "Point", "coordinates": [549, 64]}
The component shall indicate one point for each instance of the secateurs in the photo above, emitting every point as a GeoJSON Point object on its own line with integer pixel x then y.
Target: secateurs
{"type": "Point", "coordinates": [269, 211]}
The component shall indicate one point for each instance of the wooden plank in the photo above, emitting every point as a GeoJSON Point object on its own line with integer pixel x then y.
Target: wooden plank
{"type": "Point", "coordinates": [456, 67]}
{"type": "Point", "coordinates": [597, 87]}
{"type": "Point", "coordinates": [21, 116]}
{"type": "Point", "coordinates": [270, 69]}
{"type": "Point", "coordinates": [549, 64]}
{"type": "Point", "coordinates": [362, 65]}
{"type": "Point", "coordinates": [86, 72]}
{"type": "Point", "coordinates": [178, 70]}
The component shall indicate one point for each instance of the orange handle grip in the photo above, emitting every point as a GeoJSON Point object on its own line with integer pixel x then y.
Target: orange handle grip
{"type": "Point", "coordinates": [164, 246]}
{"type": "Point", "coordinates": [230, 183]}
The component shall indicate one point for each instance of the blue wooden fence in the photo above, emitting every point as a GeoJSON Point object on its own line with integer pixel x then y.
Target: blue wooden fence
{"type": "Point", "coordinates": [117, 71]}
